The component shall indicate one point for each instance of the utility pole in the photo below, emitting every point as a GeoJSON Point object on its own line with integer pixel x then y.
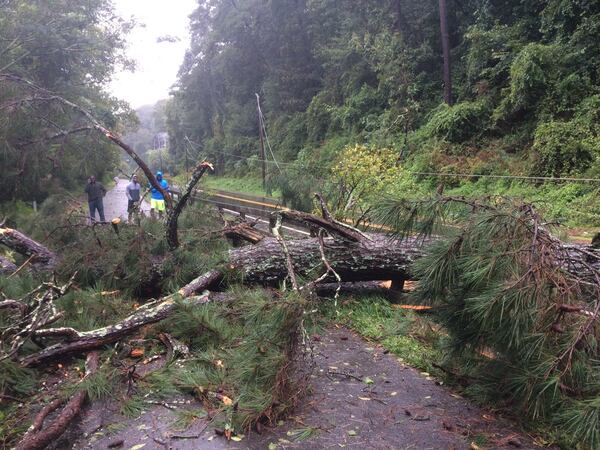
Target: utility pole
{"type": "Point", "coordinates": [446, 51]}
{"type": "Point", "coordinates": [262, 142]}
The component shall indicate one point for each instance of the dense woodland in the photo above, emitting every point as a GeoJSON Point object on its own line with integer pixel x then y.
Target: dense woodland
{"type": "Point", "coordinates": [335, 73]}
{"type": "Point", "coordinates": [355, 106]}
{"type": "Point", "coordinates": [69, 48]}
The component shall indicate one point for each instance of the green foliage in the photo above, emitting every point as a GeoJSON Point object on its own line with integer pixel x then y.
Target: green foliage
{"type": "Point", "coordinates": [529, 75]}
{"type": "Point", "coordinates": [523, 73]}
{"type": "Point", "coordinates": [563, 148]}
{"type": "Point", "coordinates": [102, 384]}
{"type": "Point", "coordinates": [16, 380]}
{"type": "Point", "coordinates": [89, 309]}
{"type": "Point", "coordinates": [497, 283]}
{"type": "Point", "coordinates": [67, 48]}
{"type": "Point", "coordinates": [134, 261]}
{"type": "Point", "coordinates": [361, 176]}
{"type": "Point", "coordinates": [244, 349]}
{"type": "Point", "coordinates": [457, 123]}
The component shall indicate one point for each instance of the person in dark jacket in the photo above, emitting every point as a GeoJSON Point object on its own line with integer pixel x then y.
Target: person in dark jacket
{"type": "Point", "coordinates": [95, 192]}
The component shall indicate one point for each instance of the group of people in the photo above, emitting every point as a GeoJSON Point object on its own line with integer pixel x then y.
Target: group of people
{"type": "Point", "coordinates": [96, 191]}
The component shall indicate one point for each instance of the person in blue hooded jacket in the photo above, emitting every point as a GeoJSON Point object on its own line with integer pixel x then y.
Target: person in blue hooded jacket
{"type": "Point", "coordinates": [157, 200]}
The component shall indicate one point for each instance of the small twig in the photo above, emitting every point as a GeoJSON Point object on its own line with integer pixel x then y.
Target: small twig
{"type": "Point", "coordinates": [22, 266]}
{"type": "Point", "coordinates": [345, 374]}
{"type": "Point", "coordinates": [165, 404]}
{"type": "Point", "coordinates": [180, 436]}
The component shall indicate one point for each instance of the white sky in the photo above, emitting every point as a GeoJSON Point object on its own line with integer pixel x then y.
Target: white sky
{"type": "Point", "coordinates": [156, 63]}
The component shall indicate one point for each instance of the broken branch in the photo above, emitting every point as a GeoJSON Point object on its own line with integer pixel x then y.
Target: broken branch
{"type": "Point", "coordinates": [37, 438]}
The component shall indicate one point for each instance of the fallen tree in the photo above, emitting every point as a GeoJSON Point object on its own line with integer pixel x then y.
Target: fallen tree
{"type": "Point", "coordinates": [378, 258]}
{"type": "Point", "coordinates": [352, 256]}
{"type": "Point", "coordinates": [74, 341]}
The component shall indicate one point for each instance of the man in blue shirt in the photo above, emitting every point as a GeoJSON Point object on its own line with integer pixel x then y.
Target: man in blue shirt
{"type": "Point", "coordinates": [157, 201]}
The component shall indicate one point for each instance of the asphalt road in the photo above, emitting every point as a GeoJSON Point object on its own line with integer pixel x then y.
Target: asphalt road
{"type": "Point", "coordinates": [115, 202]}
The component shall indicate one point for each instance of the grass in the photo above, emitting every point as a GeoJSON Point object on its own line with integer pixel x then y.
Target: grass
{"type": "Point", "coordinates": [404, 333]}
{"type": "Point", "coordinates": [246, 185]}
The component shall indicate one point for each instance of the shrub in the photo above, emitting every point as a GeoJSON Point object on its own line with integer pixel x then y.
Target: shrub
{"type": "Point", "coordinates": [563, 148]}
{"type": "Point", "coordinates": [318, 118]}
{"type": "Point", "coordinates": [457, 123]}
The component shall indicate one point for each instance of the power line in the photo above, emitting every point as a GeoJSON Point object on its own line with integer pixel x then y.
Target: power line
{"type": "Point", "coordinates": [433, 174]}
{"type": "Point", "coordinates": [514, 177]}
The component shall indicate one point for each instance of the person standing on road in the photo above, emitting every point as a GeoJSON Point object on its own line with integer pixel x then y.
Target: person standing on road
{"type": "Point", "coordinates": [95, 192]}
{"type": "Point", "coordinates": [157, 200]}
{"type": "Point", "coordinates": [133, 197]}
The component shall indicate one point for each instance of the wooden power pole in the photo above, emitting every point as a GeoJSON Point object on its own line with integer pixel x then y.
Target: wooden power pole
{"type": "Point", "coordinates": [446, 51]}
{"type": "Point", "coordinates": [262, 143]}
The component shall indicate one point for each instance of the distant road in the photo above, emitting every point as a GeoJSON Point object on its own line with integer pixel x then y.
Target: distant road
{"type": "Point", "coordinates": [115, 202]}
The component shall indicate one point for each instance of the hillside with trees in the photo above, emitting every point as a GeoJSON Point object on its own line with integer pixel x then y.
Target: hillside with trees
{"type": "Point", "coordinates": [333, 73]}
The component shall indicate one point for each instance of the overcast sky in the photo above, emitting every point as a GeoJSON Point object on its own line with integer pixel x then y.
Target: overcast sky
{"type": "Point", "coordinates": [157, 63]}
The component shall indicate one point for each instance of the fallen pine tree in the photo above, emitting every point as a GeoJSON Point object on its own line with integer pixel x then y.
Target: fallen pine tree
{"type": "Point", "coordinates": [501, 268]}
{"type": "Point", "coordinates": [352, 256]}
{"type": "Point", "coordinates": [522, 309]}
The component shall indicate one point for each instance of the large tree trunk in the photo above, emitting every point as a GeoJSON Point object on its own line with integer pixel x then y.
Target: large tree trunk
{"type": "Point", "coordinates": [381, 258]}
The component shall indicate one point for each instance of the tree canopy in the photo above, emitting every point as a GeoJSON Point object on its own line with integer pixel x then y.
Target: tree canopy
{"type": "Point", "coordinates": [69, 49]}
{"type": "Point", "coordinates": [333, 73]}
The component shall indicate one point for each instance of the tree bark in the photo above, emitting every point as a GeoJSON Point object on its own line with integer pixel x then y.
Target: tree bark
{"type": "Point", "coordinates": [173, 217]}
{"type": "Point", "coordinates": [446, 51]}
{"type": "Point", "coordinates": [42, 257]}
{"type": "Point", "coordinates": [243, 231]}
{"type": "Point", "coordinates": [381, 258]}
